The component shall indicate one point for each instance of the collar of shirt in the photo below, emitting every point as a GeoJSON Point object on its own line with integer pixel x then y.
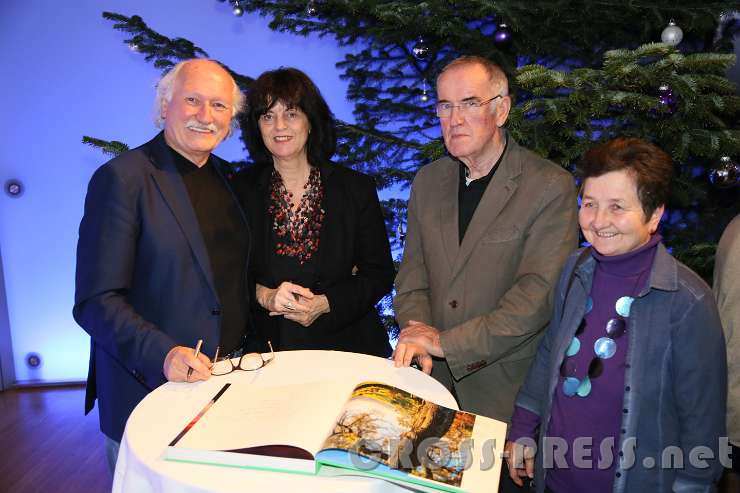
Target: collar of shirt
{"type": "Point", "coordinates": [484, 180]}
{"type": "Point", "coordinates": [185, 166]}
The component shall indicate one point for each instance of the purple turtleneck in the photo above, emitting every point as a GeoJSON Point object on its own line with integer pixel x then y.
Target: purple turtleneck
{"type": "Point", "coordinates": [599, 414]}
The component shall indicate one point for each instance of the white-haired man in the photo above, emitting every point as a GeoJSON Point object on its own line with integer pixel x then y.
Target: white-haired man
{"type": "Point", "coordinates": [489, 228]}
{"type": "Point", "coordinates": [163, 251]}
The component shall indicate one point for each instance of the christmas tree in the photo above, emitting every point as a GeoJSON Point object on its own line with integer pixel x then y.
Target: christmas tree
{"type": "Point", "coordinates": [580, 71]}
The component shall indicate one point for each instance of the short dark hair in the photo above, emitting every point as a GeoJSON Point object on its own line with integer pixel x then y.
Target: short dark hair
{"type": "Point", "coordinates": [294, 89]}
{"type": "Point", "coordinates": [650, 166]}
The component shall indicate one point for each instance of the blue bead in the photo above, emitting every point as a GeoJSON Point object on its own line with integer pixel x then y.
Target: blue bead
{"type": "Point", "coordinates": [584, 388]}
{"type": "Point", "coordinates": [570, 386]}
{"type": "Point", "coordinates": [573, 347]}
{"type": "Point", "coordinates": [605, 347]}
{"type": "Point", "coordinates": [589, 304]}
{"type": "Point", "coordinates": [624, 304]}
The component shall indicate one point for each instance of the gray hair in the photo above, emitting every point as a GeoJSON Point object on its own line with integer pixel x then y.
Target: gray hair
{"type": "Point", "coordinates": [166, 86]}
{"type": "Point", "coordinates": [496, 75]}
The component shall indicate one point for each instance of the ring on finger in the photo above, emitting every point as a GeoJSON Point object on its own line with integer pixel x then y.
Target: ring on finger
{"type": "Point", "coordinates": [289, 306]}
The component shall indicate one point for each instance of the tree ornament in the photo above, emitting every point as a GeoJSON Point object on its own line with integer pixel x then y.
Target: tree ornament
{"type": "Point", "coordinates": [311, 9]}
{"type": "Point", "coordinates": [238, 10]}
{"type": "Point", "coordinates": [133, 46]}
{"type": "Point", "coordinates": [667, 99]}
{"type": "Point", "coordinates": [503, 34]}
{"type": "Point", "coordinates": [424, 94]}
{"type": "Point", "coordinates": [726, 174]}
{"type": "Point", "coordinates": [400, 232]}
{"type": "Point", "coordinates": [420, 49]}
{"type": "Point", "coordinates": [672, 34]}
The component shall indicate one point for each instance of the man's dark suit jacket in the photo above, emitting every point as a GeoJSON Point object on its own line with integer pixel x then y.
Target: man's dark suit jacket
{"type": "Point", "coordinates": [352, 235]}
{"type": "Point", "coordinates": [144, 281]}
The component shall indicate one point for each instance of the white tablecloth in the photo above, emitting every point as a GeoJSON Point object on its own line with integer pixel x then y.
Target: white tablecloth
{"type": "Point", "coordinates": [165, 411]}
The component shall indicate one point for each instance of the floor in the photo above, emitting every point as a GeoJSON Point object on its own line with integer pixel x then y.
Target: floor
{"type": "Point", "coordinates": [48, 444]}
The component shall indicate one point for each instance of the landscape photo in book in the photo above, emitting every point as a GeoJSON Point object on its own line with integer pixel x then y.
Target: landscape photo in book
{"type": "Point", "coordinates": [405, 433]}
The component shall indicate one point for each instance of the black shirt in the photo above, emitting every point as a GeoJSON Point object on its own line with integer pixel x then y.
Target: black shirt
{"type": "Point", "coordinates": [227, 242]}
{"type": "Point", "coordinates": [468, 196]}
{"type": "Point", "coordinates": [286, 268]}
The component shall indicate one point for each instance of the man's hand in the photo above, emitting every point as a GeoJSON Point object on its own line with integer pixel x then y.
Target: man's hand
{"type": "Point", "coordinates": [316, 306]}
{"type": "Point", "coordinates": [424, 336]}
{"type": "Point", "coordinates": [418, 341]}
{"type": "Point", "coordinates": [179, 359]}
{"type": "Point", "coordinates": [406, 353]}
{"type": "Point", "coordinates": [520, 460]}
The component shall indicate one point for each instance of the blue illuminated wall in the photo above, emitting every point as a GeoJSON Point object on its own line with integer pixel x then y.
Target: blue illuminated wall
{"type": "Point", "coordinates": [66, 73]}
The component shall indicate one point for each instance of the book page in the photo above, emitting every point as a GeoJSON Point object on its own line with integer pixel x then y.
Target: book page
{"type": "Point", "coordinates": [387, 432]}
{"type": "Point", "coordinates": [246, 416]}
{"type": "Point", "coordinates": [382, 424]}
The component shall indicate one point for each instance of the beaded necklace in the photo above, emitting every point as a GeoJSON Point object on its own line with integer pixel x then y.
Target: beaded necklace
{"type": "Point", "coordinates": [604, 348]}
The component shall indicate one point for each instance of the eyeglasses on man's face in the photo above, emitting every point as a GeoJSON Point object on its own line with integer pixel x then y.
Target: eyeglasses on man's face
{"type": "Point", "coordinates": [247, 362]}
{"type": "Point", "coordinates": [468, 106]}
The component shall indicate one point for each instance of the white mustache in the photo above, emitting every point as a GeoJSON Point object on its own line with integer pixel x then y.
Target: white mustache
{"type": "Point", "coordinates": [195, 125]}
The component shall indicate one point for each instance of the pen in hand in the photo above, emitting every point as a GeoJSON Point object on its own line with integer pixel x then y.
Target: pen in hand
{"type": "Point", "coordinates": [197, 352]}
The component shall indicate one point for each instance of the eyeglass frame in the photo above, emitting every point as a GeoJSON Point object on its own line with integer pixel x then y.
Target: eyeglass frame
{"type": "Point", "coordinates": [238, 365]}
{"type": "Point", "coordinates": [465, 106]}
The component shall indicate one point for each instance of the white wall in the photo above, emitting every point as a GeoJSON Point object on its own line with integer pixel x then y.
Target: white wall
{"type": "Point", "coordinates": [67, 73]}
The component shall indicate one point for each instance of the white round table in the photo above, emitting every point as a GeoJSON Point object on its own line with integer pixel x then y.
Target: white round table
{"type": "Point", "coordinates": [141, 467]}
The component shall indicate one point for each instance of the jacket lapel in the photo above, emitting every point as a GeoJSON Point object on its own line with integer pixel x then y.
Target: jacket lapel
{"type": "Point", "coordinates": [170, 184]}
{"type": "Point", "coordinates": [330, 228]}
{"type": "Point", "coordinates": [497, 194]}
{"type": "Point", "coordinates": [448, 211]}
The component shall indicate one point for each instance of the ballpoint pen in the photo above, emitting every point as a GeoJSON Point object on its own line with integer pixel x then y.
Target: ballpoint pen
{"type": "Point", "coordinates": [197, 352]}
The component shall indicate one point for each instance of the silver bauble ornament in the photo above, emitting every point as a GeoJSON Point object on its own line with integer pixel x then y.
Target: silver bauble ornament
{"type": "Point", "coordinates": [726, 174]}
{"type": "Point", "coordinates": [424, 97]}
{"type": "Point", "coordinates": [311, 9]}
{"type": "Point", "coordinates": [672, 34]}
{"type": "Point", "coordinates": [238, 10]}
{"type": "Point", "coordinates": [420, 49]}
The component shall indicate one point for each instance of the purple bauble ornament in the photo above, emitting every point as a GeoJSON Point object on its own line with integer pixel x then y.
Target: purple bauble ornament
{"type": "Point", "coordinates": [420, 49]}
{"type": "Point", "coordinates": [667, 99]}
{"type": "Point", "coordinates": [502, 36]}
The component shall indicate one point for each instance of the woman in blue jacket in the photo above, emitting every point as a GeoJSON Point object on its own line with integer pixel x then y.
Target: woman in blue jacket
{"type": "Point", "coordinates": [628, 389]}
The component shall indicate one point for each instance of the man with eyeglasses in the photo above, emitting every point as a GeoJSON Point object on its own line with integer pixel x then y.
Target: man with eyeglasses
{"type": "Point", "coordinates": [489, 228]}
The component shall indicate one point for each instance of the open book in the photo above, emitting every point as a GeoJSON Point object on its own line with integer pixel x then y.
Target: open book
{"type": "Point", "coordinates": [329, 429]}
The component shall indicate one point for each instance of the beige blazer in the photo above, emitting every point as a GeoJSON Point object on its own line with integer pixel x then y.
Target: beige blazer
{"type": "Point", "coordinates": [727, 291]}
{"type": "Point", "coordinates": [490, 296]}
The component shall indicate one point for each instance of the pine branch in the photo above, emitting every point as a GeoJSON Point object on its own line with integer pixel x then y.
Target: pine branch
{"type": "Point", "coordinates": [109, 147]}
{"type": "Point", "coordinates": [163, 51]}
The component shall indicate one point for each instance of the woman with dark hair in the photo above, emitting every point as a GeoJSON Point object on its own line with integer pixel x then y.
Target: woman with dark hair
{"type": "Point", "coordinates": [323, 260]}
{"type": "Point", "coordinates": [628, 387]}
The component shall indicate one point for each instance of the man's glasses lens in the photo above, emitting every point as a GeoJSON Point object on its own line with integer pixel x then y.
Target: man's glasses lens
{"type": "Point", "coordinates": [444, 109]}
{"type": "Point", "coordinates": [247, 362]}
